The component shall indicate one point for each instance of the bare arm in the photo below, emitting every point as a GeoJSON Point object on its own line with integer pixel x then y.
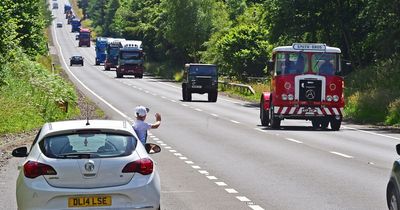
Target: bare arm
{"type": "Point", "coordinates": [158, 121]}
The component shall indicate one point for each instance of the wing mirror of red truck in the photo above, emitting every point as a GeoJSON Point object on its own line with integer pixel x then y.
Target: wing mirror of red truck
{"type": "Point", "coordinates": [347, 67]}
{"type": "Point", "coordinates": [270, 67]}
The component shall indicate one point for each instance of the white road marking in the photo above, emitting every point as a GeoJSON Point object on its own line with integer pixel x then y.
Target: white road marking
{"type": "Point", "coordinates": [163, 97]}
{"type": "Point", "coordinates": [168, 147]}
{"type": "Point", "coordinates": [189, 162]}
{"type": "Point", "coordinates": [215, 115]}
{"type": "Point", "coordinates": [177, 154]}
{"type": "Point", "coordinates": [259, 129]}
{"type": "Point", "coordinates": [162, 144]}
{"type": "Point", "coordinates": [212, 177]}
{"type": "Point", "coordinates": [235, 102]}
{"type": "Point", "coordinates": [197, 109]}
{"type": "Point", "coordinates": [184, 105]}
{"type": "Point", "coordinates": [183, 158]}
{"type": "Point", "coordinates": [341, 154]}
{"type": "Point", "coordinates": [243, 198]}
{"type": "Point", "coordinates": [173, 101]}
{"type": "Point", "coordinates": [196, 167]}
{"type": "Point", "coordinates": [256, 207]}
{"type": "Point", "coordinates": [172, 150]}
{"type": "Point", "coordinates": [155, 139]}
{"type": "Point", "coordinates": [203, 172]}
{"type": "Point", "coordinates": [372, 133]}
{"type": "Point", "coordinates": [158, 141]}
{"type": "Point", "coordinates": [221, 183]}
{"type": "Point", "coordinates": [166, 84]}
{"type": "Point", "coordinates": [294, 140]}
{"type": "Point", "coordinates": [230, 190]}
{"type": "Point", "coordinates": [234, 121]}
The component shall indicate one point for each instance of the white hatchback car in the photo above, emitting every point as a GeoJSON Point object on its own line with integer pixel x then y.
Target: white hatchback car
{"type": "Point", "coordinates": [96, 164]}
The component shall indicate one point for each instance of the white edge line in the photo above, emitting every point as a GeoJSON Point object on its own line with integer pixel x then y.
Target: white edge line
{"type": "Point", "coordinates": [369, 132]}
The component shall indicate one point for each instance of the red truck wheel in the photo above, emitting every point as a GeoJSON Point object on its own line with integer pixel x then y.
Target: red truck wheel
{"type": "Point", "coordinates": [264, 116]}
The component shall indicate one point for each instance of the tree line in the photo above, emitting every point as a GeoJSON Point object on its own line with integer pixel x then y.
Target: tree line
{"type": "Point", "coordinates": [238, 35]}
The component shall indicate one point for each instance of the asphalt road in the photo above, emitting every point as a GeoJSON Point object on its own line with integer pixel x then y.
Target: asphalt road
{"type": "Point", "coordinates": [217, 156]}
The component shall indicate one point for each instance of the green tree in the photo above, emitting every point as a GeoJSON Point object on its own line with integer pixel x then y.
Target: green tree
{"type": "Point", "coordinates": [111, 8]}
{"type": "Point", "coordinates": [31, 25]}
{"type": "Point", "coordinates": [244, 51]}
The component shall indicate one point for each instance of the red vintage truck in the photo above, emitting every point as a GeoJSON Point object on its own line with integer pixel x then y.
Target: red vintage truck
{"type": "Point", "coordinates": [307, 83]}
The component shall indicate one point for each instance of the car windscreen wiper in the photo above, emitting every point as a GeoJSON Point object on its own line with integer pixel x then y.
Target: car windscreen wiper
{"type": "Point", "coordinates": [78, 155]}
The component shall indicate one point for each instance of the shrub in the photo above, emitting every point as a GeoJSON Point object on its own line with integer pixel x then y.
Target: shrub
{"type": "Point", "coordinates": [393, 117]}
{"type": "Point", "coordinates": [368, 106]}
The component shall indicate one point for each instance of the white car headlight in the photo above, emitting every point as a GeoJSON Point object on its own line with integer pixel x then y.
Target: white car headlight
{"type": "Point", "coordinates": [335, 98]}
{"type": "Point", "coordinates": [284, 97]}
{"type": "Point", "coordinates": [328, 98]}
{"type": "Point", "coordinates": [290, 97]}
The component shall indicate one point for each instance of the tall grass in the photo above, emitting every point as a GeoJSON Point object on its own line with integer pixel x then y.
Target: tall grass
{"type": "Point", "coordinates": [373, 93]}
{"type": "Point", "coordinates": [32, 95]}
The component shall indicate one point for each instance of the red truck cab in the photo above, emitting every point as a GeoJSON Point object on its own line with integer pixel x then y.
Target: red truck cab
{"type": "Point", "coordinates": [306, 83]}
{"type": "Point", "coordinates": [84, 37]}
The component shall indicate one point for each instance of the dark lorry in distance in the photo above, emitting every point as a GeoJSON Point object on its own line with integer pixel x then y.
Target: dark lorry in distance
{"type": "Point", "coordinates": [200, 78]}
{"type": "Point", "coordinates": [113, 47]}
{"type": "Point", "coordinates": [131, 59]}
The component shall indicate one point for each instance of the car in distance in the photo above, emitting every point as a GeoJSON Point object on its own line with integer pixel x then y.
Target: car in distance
{"type": "Point", "coordinates": [96, 164]}
{"type": "Point", "coordinates": [393, 186]}
{"type": "Point", "coordinates": [59, 24]}
{"type": "Point", "coordinates": [76, 59]}
{"type": "Point", "coordinates": [200, 78]}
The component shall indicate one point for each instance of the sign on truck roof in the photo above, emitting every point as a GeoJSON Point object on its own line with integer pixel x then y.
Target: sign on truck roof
{"type": "Point", "coordinates": [307, 47]}
{"type": "Point", "coordinates": [132, 44]}
{"type": "Point", "coordinates": [110, 40]}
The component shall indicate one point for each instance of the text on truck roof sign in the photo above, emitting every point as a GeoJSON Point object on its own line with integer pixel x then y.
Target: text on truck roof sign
{"type": "Point", "coordinates": [309, 46]}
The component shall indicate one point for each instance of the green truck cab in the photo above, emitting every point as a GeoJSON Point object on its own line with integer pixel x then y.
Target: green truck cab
{"type": "Point", "coordinates": [200, 78]}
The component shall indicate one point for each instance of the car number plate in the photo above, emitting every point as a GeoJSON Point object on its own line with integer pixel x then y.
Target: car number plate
{"type": "Point", "coordinates": [87, 201]}
{"type": "Point", "coordinates": [310, 111]}
{"type": "Point", "coordinates": [196, 86]}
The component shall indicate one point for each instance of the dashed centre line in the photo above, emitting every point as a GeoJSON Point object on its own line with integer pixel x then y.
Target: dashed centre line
{"type": "Point", "coordinates": [221, 183]}
{"type": "Point", "coordinates": [230, 190]}
{"type": "Point", "coordinates": [243, 198]}
{"type": "Point", "coordinates": [234, 121]}
{"type": "Point", "coordinates": [294, 140]}
{"type": "Point", "coordinates": [341, 154]}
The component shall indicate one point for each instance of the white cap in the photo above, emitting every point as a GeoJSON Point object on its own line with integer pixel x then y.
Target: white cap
{"type": "Point", "coordinates": [141, 111]}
